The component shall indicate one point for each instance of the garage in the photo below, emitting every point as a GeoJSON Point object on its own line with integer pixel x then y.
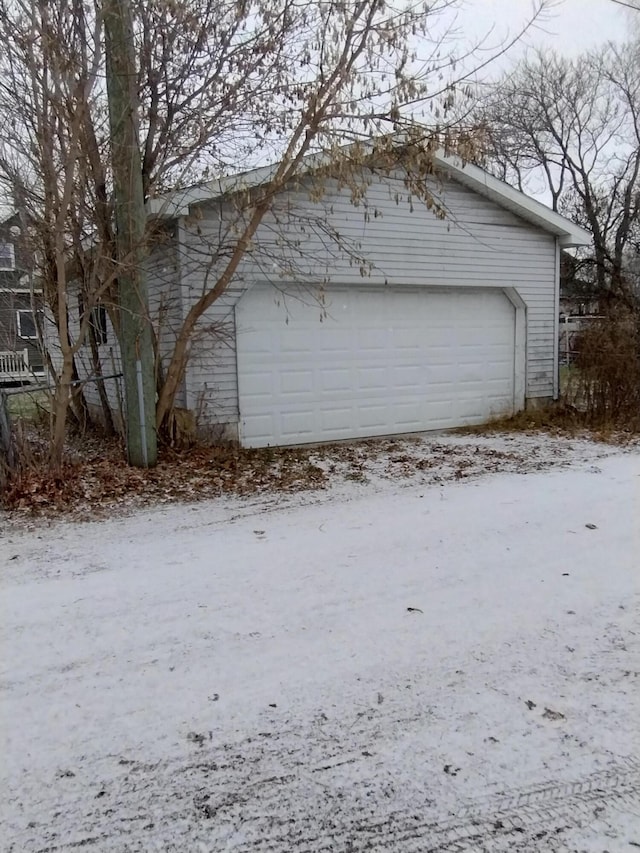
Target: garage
{"type": "Point", "coordinates": [371, 362]}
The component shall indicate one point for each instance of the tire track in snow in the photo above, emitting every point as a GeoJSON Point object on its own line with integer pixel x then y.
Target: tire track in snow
{"type": "Point", "coordinates": [167, 807]}
{"type": "Point", "coordinates": [513, 820]}
{"type": "Point", "coordinates": [326, 783]}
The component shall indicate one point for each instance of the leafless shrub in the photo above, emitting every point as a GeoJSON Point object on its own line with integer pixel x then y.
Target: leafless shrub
{"type": "Point", "coordinates": [20, 457]}
{"type": "Point", "coordinates": [606, 384]}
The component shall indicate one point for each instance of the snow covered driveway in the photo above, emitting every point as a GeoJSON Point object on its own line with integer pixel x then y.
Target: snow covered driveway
{"type": "Point", "coordinates": [427, 668]}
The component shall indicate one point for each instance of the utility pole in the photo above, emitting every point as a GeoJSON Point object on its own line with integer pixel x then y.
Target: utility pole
{"type": "Point", "coordinates": [136, 343]}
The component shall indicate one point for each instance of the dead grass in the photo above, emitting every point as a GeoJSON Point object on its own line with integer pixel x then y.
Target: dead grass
{"type": "Point", "coordinates": [29, 405]}
{"type": "Point", "coordinates": [95, 482]}
{"type": "Point", "coordinates": [560, 419]}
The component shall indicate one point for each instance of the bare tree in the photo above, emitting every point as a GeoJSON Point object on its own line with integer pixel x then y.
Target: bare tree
{"type": "Point", "coordinates": [574, 126]}
{"type": "Point", "coordinates": [223, 86]}
{"type": "Point", "coordinates": [632, 5]}
{"type": "Point", "coordinates": [45, 110]}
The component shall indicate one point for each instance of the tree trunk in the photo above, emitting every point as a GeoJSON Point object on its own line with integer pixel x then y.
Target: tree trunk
{"type": "Point", "coordinates": [173, 378]}
{"type": "Point", "coordinates": [8, 455]}
{"type": "Point", "coordinates": [60, 411]}
{"type": "Point", "coordinates": [102, 391]}
{"type": "Point", "coordinates": [79, 407]}
{"type": "Point", "coordinates": [135, 324]}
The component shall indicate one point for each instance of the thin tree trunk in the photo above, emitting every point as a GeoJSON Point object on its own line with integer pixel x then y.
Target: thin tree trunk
{"type": "Point", "coordinates": [60, 411]}
{"type": "Point", "coordinates": [79, 407]}
{"type": "Point", "coordinates": [102, 391]}
{"type": "Point", "coordinates": [8, 456]}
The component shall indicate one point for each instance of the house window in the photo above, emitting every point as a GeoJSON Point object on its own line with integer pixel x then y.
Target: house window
{"type": "Point", "coordinates": [97, 321]}
{"type": "Point", "coordinates": [27, 326]}
{"type": "Point", "coordinates": [7, 256]}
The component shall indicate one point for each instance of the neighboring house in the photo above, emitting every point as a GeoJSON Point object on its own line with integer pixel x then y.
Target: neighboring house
{"type": "Point", "coordinates": [569, 332]}
{"type": "Point", "coordinates": [21, 358]}
{"type": "Point", "coordinates": [579, 305]}
{"type": "Point", "coordinates": [578, 290]}
{"type": "Point", "coordinates": [455, 321]}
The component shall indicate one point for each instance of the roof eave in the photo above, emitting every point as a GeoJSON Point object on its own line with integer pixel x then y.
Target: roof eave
{"type": "Point", "coordinates": [179, 203]}
{"type": "Point", "coordinates": [573, 241]}
{"type": "Point", "coordinates": [569, 234]}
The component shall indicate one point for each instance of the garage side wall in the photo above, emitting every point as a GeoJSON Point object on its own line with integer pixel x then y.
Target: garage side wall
{"type": "Point", "coordinates": [211, 381]}
{"type": "Point", "coordinates": [387, 239]}
{"type": "Point", "coordinates": [165, 306]}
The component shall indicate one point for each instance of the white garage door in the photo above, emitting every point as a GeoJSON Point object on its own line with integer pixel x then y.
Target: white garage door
{"type": "Point", "coordinates": [380, 362]}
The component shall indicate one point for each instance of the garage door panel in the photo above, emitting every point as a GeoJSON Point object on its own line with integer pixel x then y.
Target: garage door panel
{"type": "Point", "coordinates": [258, 384]}
{"type": "Point", "coordinates": [494, 372]}
{"type": "Point", "coordinates": [438, 336]}
{"type": "Point", "coordinates": [501, 349]}
{"type": "Point", "coordinates": [261, 426]}
{"type": "Point", "coordinates": [380, 362]}
{"type": "Point", "coordinates": [299, 422]}
{"type": "Point", "coordinates": [372, 378]}
{"type": "Point", "coordinates": [334, 340]}
{"type": "Point", "coordinates": [439, 374]}
{"type": "Point", "coordinates": [408, 414]}
{"type": "Point", "coordinates": [469, 407]}
{"type": "Point", "coordinates": [410, 339]}
{"type": "Point", "coordinates": [371, 340]}
{"type": "Point", "coordinates": [439, 355]}
{"type": "Point", "coordinates": [441, 412]}
{"type": "Point", "coordinates": [334, 379]}
{"type": "Point", "coordinates": [336, 418]}
{"type": "Point", "coordinates": [295, 343]}
{"type": "Point", "coordinates": [406, 377]}
{"type": "Point", "coordinates": [470, 373]}
{"type": "Point", "coordinates": [374, 416]}
{"type": "Point", "coordinates": [296, 381]}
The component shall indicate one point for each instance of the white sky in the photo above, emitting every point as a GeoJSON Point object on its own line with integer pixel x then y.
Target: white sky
{"type": "Point", "coordinates": [569, 27]}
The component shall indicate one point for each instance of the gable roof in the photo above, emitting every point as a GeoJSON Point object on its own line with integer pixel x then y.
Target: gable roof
{"type": "Point", "coordinates": [179, 202]}
{"type": "Point", "coordinates": [517, 202]}
{"type": "Point", "coordinates": [7, 216]}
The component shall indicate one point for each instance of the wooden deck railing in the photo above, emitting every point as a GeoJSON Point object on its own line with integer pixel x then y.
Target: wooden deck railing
{"type": "Point", "coordinates": [14, 366]}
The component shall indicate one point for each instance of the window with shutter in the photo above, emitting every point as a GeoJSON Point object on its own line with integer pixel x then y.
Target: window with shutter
{"type": "Point", "coordinates": [7, 256]}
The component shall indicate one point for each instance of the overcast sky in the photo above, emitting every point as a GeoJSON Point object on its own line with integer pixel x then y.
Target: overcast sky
{"type": "Point", "coordinates": [569, 27]}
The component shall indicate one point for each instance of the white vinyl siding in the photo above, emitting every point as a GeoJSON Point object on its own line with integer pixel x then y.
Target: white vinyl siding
{"type": "Point", "coordinates": [478, 244]}
{"type": "Point", "coordinates": [165, 307]}
{"type": "Point", "coordinates": [211, 384]}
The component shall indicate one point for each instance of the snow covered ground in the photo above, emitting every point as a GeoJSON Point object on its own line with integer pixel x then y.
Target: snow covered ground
{"type": "Point", "coordinates": [405, 666]}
